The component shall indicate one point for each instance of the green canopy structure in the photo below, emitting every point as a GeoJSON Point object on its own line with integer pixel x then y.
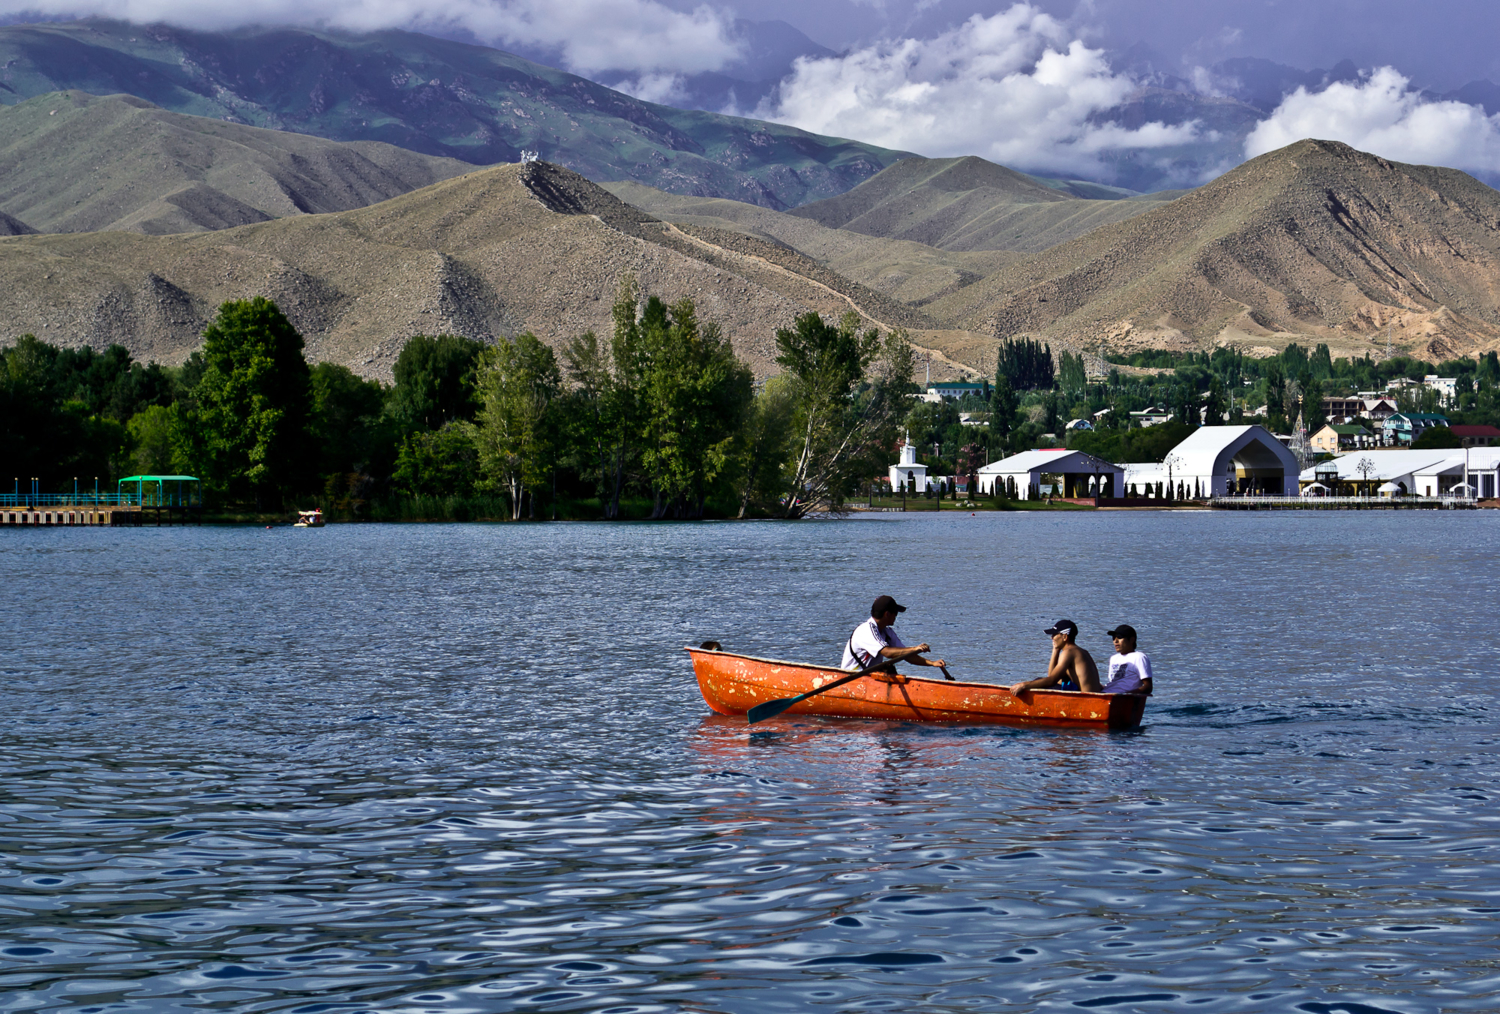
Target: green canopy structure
{"type": "Point", "coordinates": [162, 490]}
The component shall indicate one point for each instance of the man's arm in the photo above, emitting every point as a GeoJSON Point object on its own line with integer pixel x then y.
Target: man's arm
{"type": "Point", "coordinates": [1055, 672]}
{"type": "Point", "coordinates": [1040, 683]}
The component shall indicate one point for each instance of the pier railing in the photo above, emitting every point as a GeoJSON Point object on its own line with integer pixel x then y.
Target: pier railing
{"type": "Point", "coordinates": [14, 500]}
{"type": "Point", "coordinates": [1345, 503]}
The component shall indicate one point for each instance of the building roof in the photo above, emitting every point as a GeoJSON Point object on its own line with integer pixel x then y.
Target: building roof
{"type": "Point", "coordinates": [1474, 430]}
{"type": "Point", "coordinates": [1208, 450]}
{"type": "Point", "coordinates": [953, 385]}
{"type": "Point", "coordinates": [1349, 430]}
{"type": "Point", "coordinates": [1431, 417]}
{"type": "Point", "coordinates": [1048, 459]}
{"type": "Point", "coordinates": [1389, 464]}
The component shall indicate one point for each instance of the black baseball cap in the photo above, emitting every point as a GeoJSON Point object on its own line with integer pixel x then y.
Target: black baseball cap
{"type": "Point", "coordinates": [1062, 627]}
{"type": "Point", "coordinates": [1123, 630]}
{"type": "Point", "coordinates": [885, 604]}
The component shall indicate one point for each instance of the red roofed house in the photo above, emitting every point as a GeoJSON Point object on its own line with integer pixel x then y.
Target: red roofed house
{"type": "Point", "coordinates": [1476, 436]}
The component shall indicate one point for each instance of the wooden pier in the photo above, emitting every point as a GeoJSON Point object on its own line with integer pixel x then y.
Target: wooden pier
{"type": "Point", "coordinates": [111, 515]}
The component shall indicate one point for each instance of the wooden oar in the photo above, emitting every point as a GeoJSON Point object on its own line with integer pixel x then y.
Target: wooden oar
{"type": "Point", "coordinates": [770, 709]}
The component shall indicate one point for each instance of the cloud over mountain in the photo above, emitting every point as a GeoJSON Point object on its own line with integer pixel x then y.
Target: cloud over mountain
{"type": "Point", "coordinates": [589, 36]}
{"type": "Point", "coordinates": [1015, 87]}
{"type": "Point", "coordinates": [1383, 114]}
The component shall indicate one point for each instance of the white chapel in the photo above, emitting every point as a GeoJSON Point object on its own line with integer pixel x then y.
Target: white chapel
{"type": "Point", "coordinates": [908, 471]}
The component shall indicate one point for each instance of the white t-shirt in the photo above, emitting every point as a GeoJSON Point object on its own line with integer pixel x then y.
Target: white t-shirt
{"type": "Point", "coordinates": [867, 640]}
{"type": "Point", "coordinates": [1127, 672]}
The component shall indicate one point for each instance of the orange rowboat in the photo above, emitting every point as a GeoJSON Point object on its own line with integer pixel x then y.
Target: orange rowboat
{"type": "Point", "coordinates": [733, 684]}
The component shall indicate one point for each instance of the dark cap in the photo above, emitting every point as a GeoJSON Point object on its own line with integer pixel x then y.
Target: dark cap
{"type": "Point", "coordinates": [1062, 627]}
{"type": "Point", "coordinates": [1123, 630]}
{"type": "Point", "coordinates": [885, 604]}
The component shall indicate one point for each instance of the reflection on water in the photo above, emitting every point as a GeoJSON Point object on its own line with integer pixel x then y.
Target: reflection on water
{"type": "Point", "coordinates": [466, 768]}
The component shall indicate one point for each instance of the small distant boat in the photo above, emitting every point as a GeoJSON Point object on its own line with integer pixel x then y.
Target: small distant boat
{"type": "Point", "coordinates": [733, 684]}
{"type": "Point", "coordinates": [309, 519]}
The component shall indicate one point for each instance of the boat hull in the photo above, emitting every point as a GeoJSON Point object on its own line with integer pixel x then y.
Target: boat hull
{"type": "Point", "coordinates": [733, 684]}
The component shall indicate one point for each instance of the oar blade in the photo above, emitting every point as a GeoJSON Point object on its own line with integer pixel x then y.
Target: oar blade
{"type": "Point", "coordinates": [770, 709]}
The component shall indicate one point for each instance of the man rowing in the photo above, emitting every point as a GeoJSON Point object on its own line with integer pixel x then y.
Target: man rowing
{"type": "Point", "coordinates": [1070, 668]}
{"type": "Point", "coordinates": [875, 639]}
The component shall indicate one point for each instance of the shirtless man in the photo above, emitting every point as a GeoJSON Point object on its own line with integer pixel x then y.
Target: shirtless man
{"type": "Point", "coordinates": [1070, 668]}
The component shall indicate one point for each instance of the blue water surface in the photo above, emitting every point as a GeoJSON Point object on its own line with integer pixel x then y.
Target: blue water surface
{"type": "Point", "coordinates": [466, 768]}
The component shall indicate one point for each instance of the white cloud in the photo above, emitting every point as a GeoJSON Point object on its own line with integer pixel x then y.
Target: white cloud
{"type": "Point", "coordinates": [1013, 87]}
{"type": "Point", "coordinates": [1381, 114]}
{"type": "Point", "coordinates": [592, 36]}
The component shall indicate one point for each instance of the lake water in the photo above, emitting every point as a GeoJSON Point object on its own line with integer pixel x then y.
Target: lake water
{"type": "Point", "coordinates": [466, 768]}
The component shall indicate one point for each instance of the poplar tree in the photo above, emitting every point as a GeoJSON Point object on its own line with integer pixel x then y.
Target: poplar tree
{"type": "Point", "coordinates": [518, 381]}
{"type": "Point", "coordinates": [849, 388]}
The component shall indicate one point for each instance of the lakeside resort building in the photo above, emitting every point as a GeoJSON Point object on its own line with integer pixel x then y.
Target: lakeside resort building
{"type": "Point", "coordinates": [1473, 472]}
{"type": "Point", "coordinates": [1052, 471]}
{"type": "Point", "coordinates": [1223, 461]}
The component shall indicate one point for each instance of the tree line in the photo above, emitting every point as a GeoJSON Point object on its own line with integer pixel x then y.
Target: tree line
{"type": "Point", "coordinates": [658, 419]}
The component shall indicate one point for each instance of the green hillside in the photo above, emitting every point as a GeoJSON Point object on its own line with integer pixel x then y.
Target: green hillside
{"type": "Point", "coordinates": [436, 97]}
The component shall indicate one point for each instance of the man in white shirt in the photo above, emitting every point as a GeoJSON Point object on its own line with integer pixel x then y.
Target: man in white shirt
{"type": "Point", "coordinates": [1129, 668]}
{"type": "Point", "coordinates": [875, 639]}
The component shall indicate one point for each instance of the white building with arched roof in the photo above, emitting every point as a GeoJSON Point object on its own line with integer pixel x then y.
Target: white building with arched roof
{"type": "Point", "coordinates": [1224, 460]}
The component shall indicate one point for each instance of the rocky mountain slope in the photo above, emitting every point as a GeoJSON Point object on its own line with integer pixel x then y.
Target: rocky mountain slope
{"type": "Point", "coordinates": [969, 204]}
{"type": "Point", "coordinates": [487, 254]}
{"type": "Point", "coordinates": [433, 96]}
{"type": "Point", "coordinates": [74, 162]}
{"type": "Point", "coordinates": [913, 273]}
{"type": "Point", "coordinates": [1315, 241]}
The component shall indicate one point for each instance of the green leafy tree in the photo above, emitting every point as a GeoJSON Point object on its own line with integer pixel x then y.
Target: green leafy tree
{"type": "Point", "coordinates": [1436, 437]}
{"type": "Point", "coordinates": [438, 463]}
{"type": "Point", "coordinates": [1275, 382]}
{"type": "Point", "coordinates": [1026, 364]}
{"type": "Point", "coordinates": [435, 381]}
{"type": "Point", "coordinates": [248, 423]}
{"type": "Point", "coordinates": [850, 388]}
{"type": "Point", "coordinates": [517, 438]}
{"type": "Point", "coordinates": [694, 400]}
{"type": "Point", "coordinates": [155, 438]}
{"type": "Point", "coordinates": [1003, 407]}
{"type": "Point", "coordinates": [1071, 373]}
{"type": "Point", "coordinates": [354, 435]}
{"type": "Point", "coordinates": [1214, 406]}
{"type": "Point", "coordinates": [1185, 406]}
{"type": "Point", "coordinates": [1312, 401]}
{"type": "Point", "coordinates": [608, 397]}
{"type": "Point", "coordinates": [765, 445]}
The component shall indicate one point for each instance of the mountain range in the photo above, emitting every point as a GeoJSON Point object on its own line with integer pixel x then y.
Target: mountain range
{"type": "Point", "coordinates": [436, 97]}
{"type": "Point", "coordinates": [1313, 242]}
{"type": "Point", "coordinates": [126, 221]}
{"type": "Point", "coordinates": [491, 253]}
{"type": "Point", "coordinates": [74, 162]}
